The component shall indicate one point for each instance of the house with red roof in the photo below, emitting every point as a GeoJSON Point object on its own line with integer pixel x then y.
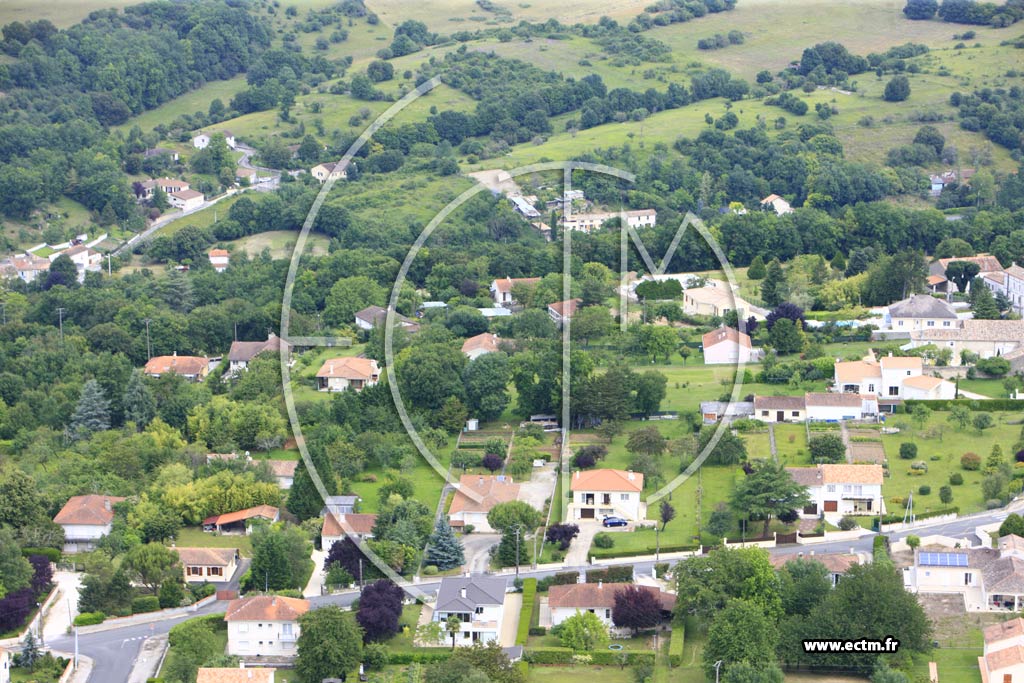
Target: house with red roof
{"type": "Point", "coordinates": [200, 565]}
{"type": "Point", "coordinates": [336, 527]}
{"type": "Point", "coordinates": [476, 495]}
{"type": "Point", "coordinates": [566, 600]}
{"type": "Point", "coordinates": [607, 493]}
{"type": "Point", "coordinates": [85, 520]}
{"type": "Point", "coordinates": [192, 368]}
{"type": "Point", "coordinates": [480, 345]}
{"type": "Point", "coordinates": [240, 522]}
{"type": "Point", "coordinates": [264, 625]}
{"type": "Point", "coordinates": [342, 374]}
{"type": "Point", "coordinates": [727, 345]}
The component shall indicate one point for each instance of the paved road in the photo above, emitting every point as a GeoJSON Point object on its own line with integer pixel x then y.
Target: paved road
{"type": "Point", "coordinates": [167, 220]}
{"type": "Point", "coordinates": [114, 651]}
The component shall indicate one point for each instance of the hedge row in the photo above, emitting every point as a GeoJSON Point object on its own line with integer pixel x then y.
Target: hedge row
{"type": "Point", "coordinates": [610, 553]}
{"type": "Point", "coordinates": [421, 655]}
{"type": "Point", "coordinates": [145, 603]}
{"type": "Point", "coordinates": [564, 655]}
{"type": "Point", "coordinates": [619, 574]}
{"type": "Point", "coordinates": [560, 579]}
{"type": "Point", "coordinates": [985, 406]}
{"type": "Point", "coordinates": [526, 611]}
{"type": "Point", "coordinates": [898, 516]}
{"type": "Point", "coordinates": [675, 645]}
{"type": "Point", "coordinates": [52, 554]}
{"type": "Point", "coordinates": [90, 618]}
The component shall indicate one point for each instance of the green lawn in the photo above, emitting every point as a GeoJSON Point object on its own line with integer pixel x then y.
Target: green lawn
{"type": "Point", "coordinates": [195, 537]}
{"type": "Point", "coordinates": [758, 444]}
{"type": "Point", "coordinates": [220, 636]}
{"type": "Point", "coordinates": [948, 448]}
{"type": "Point", "coordinates": [579, 674]}
{"type": "Point", "coordinates": [281, 243]}
{"type": "Point", "coordinates": [402, 642]}
{"type": "Point", "coordinates": [791, 445]}
{"type": "Point", "coordinates": [991, 387]}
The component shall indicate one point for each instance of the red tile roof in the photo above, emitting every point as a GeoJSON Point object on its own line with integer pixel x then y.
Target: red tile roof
{"type": "Point", "coordinates": [598, 596]}
{"type": "Point", "coordinates": [266, 608]}
{"type": "Point", "coordinates": [264, 511]}
{"type": "Point", "coordinates": [207, 557]}
{"type": "Point", "coordinates": [359, 523]}
{"type": "Point", "coordinates": [717, 336]}
{"type": "Point", "coordinates": [607, 480]}
{"type": "Point", "coordinates": [488, 490]}
{"type": "Point", "coordinates": [182, 365]}
{"type": "Point", "coordinates": [92, 510]}
{"type": "Point", "coordinates": [350, 368]}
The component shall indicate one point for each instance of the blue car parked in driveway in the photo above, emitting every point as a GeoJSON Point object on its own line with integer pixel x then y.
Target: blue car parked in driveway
{"type": "Point", "coordinates": [614, 521]}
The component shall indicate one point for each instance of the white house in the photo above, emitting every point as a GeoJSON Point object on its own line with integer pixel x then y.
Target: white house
{"type": "Point", "coordinates": [926, 388]}
{"type": "Point", "coordinates": [836, 564]}
{"type": "Point", "coordinates": [5, 665]}
{"type": "Point", "coordinates": [567, 600]}
{"type": "Point", "coordinates": [836, 407]}
{"type": "Point", "coordinates": [480, 345]}
{"type": "Point", "coordinates": [342, 374]}
{"type": "Point", "coordinates": [26, 267]}
{"type": "Point", "coordinates": [264, 625]}
{"type": "Point", "coordinates": [242, 353]}
{"type": "Point", "coordinates": [192, 368]}
{"type": "Point", "coordinates": [780, 409]}
{"type": "Point", "coordinates": [374, 316]}
{"type": "Point", "coordinates": [1003, 657]}
{"type": "Point", "coordinates": [560, 311]}
{"type": "Point", "coordinates": [476, 495]}
{"type": "Point", "coordinates": [186, 200]}
{"type": "Point", "coordinates": [524, 206]}
{"type": "Point", "coordinates": [607, 493]}
{"type": "Point", "coordinates": [241, 674]}
{"type": "Point", "coordinates": [918, 312]}
{"type": "Point", "coordinates": [477, 601]}
{"type": "Point", "coordinates": [727, 345]}
{"type": "Point", "coordinates": [219, 259]}
{"type": "Point", "coordinates": [86, 259]}
{"type": "Point", "coordinates": [1015, 287]}
{"type": "Point", "coordinates": [501, 289]}
{"type": "Point", "coordinates": [215, 565]}
{"type": "Point", "coordinates": [202, 140]}
{"type": "Point", "coordinates": [885, 377]}
{"type": "Point", "coordinates": [85, 520]}
{"type": "Point", "coordinates": [777, 204]}
{"type": "Point", "coordinates": [329, 171]}
{"type": "Point", "coordinates": [838, 490]}
{"type": "Point", "coordinates": [337, 527]}
{"type": "Point", "coordinates": [283, 471]}
{"type": "Point", "coordinates": [588, 222]}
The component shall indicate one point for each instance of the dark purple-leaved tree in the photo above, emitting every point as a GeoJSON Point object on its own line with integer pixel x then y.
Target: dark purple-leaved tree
{"type": "Point", "coordinates": [636, 608]}
{"type": "Point", "coordinates": [380, 607]}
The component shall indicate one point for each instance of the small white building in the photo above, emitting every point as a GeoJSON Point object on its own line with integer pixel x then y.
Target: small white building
{"type": "Point", "coordinates": [480, 345]}
{"type": "Point", "coordinates": [839, 490]}
{"type": "Point", "coordinates": [588, 222]}
{"type": "Point", "coordinates": [523, 207]}
{"type": "Point", "coordinates": [836, 407]}
{"type": "Point", "coordinates": [85, 520]}
{"type": "Point", "coordinates": [337, 527]}
{"type": "Point", "coordinates": [264, 625]}
{"type": "Point", "coordinates": [777, 204]}
{"type": "Point", "coordinates": [779, 409]}
{"type": "Point", "coordinates": [919, 312]}
{"type": "Point", "coordinates": [727, 345]}
{"type": "Point", "coordinates": [329, 171]}
{"type": "Point", "coordinates": [607, 493]}
{"type": "Point", "coordinates": [478, 602]}
{"type": "Point", "coordinates": [219, 259]}
{"type": "Point", "coordinates": [86, 259]}
{"type": "Point", "coordinates": [501, 289]}
{"type": "Point", "coordinates": [560, 311]}
{"type": "Point", "coordinates": [283, 471]}
{"type": "Point", "coordinates": [186, 200]}
{"type": "Point", "coordinates": [926, 388]}
{"type": "Point", "coordinates": [342, 374]}
{"type": "Point", "coordinates": [202, 140]}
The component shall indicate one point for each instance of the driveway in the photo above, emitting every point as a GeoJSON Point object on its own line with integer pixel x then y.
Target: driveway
{"type": "Point", "coordinates": [58, 619]}
{"type": "Point", "coordinates": [510, 619]}
{"type": "Point", "coordinates": [579, 549]}
{"type": "Point", "coordinates": [476, 548]}
{"type": "Point", "coordinates": [540, 487]}
{"type": "Point", "coordinates": [316, 579]}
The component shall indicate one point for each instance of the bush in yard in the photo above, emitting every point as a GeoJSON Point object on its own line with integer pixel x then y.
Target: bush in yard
{"type": "Point", "coordinates": [1013, 524]}
{"type": "Point", "coordinates": [913, 541]}
{"type": "Point", "coordinates": [562, 534]}
{"type": "Point", "coordinates": [848, 523]}
{"type": "Point", "coordinates": [493, 462]}
{"type": "Point", "coordinates": [908, 451]}
{"type": "Point", "coordinates": [583, 461]}
{"type": "Point", "coordinates": [538, 631]}
{"type": "Point", "coordinates": [970, 461]}
{"type": "Point", "coordinates": [145, 603]}
{"type": "Point", "coordinates": [946, 494]}
{"type": "Point", "coordinates": [827, 448]}
{"type": "Point", "coordinates": [375, 656]}
{"type": "Point", "coordinates": [604, 540]}
{"type": "Point", "coordinates": [924, 489]}
{"type": "Point", "coordinates": [584, 632]}
{"type": "Point", "coordinates": [90, 618]}
{"type": "Point", "coordinates": [956, 479]}
{"type": "Point", "coordinates": [993, 503]}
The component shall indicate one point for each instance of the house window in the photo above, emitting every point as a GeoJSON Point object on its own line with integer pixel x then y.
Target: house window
{"type": "Point", "coordinates": [195, 571]}
{"type": "Point", "coordinates": [764, 413]}
{"type": "Point", "coordinates": [1007, 678]}
{"type": "Point", "coordinates": [795, 413]}
{"type": "Point", "coordinates": [931, 323]}
{"type": "Point", "coordinates": [216, 571]}
{"type": "Point", "coordinates": [858, 489]}
{"type": "Point", "coordinates": [830, 488]}
{"type": "Point", "coordinates": [945, 323]}
{"type": "Point", "coordinates": [286, 629]}
{"type": "Point", "coordinates": [908, 373]}
{"type": "Point", "coordinates": [623, 496]}
{"type": "Point", "coordinates": [871, 388]}
{"type": "Point", "coordinates": [479, 610]}
{"type": "Point", "coordinates": [243, 627]}
{"type": "Point", "coordinates": [967, 579]}
{"type": "Point", "coordinates": [607, 614]}
{"type": "Point", "coordinates": [846, 488]}
{"type": "Point", "coordinates": [894, 391]}
{"type": "Point", "coordinates": [899, 324]}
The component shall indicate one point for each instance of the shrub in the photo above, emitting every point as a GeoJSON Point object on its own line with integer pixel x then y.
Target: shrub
{"type": "Point", "coordinates": [924, 489]}
{"type": "Point", "coordinates": [89, 618]}
{"type": "Point", "coordinates": [538, 631]}
{"type": "Point", "coordinates": [493, 462]}
{"type": "Point", "coordinates": [560, 579]}
{"type": "Point", "coordinates": [52, 554]}
{"type": "Point", "coordinates": [993, 503]}
{"type": "Point", "coordinates": [622, 573]}
{"type": "Point", "coordinates": [430, 570]}
{"type": "Point", "coordinates": [375, 656]}
{"type": "Point", "coordinates": [848, 523]}
{"type": "Point", "coordinates": [956, 479]}
{"type": "Point", "coordinates": [913, 541]}
{"type": "Point", "coordinates": [604, 540]}
{"type": "Point", "coordinates": [675, 646]}
{"type": "Point", "coordinates": [946, 495]}
{"type": "Point", "coordinates": [827, 448]}
{"type": "Point", "coordinates": [970, 461]}
{"type": "Point", "coordinates": [908, 451]}
{"type": "Point", "coordinates": [145, 603]}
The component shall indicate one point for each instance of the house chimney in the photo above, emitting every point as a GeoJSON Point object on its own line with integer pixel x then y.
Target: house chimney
{"type": "Point", "coordinates": [273, 601]}
{"type": "Point", "coordinates": [480, 481]}
{"type": "Point", "coordinates": [600, 585]}
{"type": "Point", "coordinates": [812, 553]}
{"type": "Point", "coordinates": [462, 592]}
{"type": "Point", "coordinates": [629, 475]}
{"type": "Point", "coordinates": [106, 504]}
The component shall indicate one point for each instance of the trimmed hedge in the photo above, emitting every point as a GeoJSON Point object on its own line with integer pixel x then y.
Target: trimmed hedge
{"type": "Point", "coordinates": [560, 579]}
{"type": "Point", "coordinates": [611, 553]}
{"type": "Point", "coordinates": [145, 603]}
{"type": "Point", "coordinates": [675, 646]}
{"type": "Point", "coordinates": [564, 655]}
{"type": "Point", "coordinates": [526, 612]}
{"type": "Point", "coordinates": [898, 516]}
{"type": "Point", "coordinates": [52, 554]}
{"type": "Point", "coordinates": [619, 574]}
{"type": "Point", "coordinates": [90, 618]}
{"type": "Point", "coordinates": [989, 405]}
{"type": "Point", "coordinates": [421, 655]}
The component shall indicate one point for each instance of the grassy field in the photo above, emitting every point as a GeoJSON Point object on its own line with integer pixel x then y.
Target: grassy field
{"type": "Point", "coordinates": [791, 445]}
{"type": "Point", "coordinates": [992, 388]}
{"type": "Point", "coordinates": [579, 674]}
{"type": "Point", "coordinates": [948, 448]}
{"type": "Point", "coordinates": [454, 15]}
{"type": "Point", "coordinates": [189, 103]}
{"type": "Point", "coordinates": [195, 537]}
{"type": "Point", "coordinates": [281, 244]}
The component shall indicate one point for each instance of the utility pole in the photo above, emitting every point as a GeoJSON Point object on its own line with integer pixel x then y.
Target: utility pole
{"type": "Point", "coordinates": [266, 580]}
{"type": "Point", "coordinates": [657, 542]}
{"type": "Point", "coordinates": [108, 264]}
{"type": "Point", "coordinates": [60, 318]}
{"type": "Point", "coordinates": [149, 349]}
{"type": "Point", "coordinates": [71, 618]}
{"type": "Point", "coordinates": [3, 306]}
{"type": "Point", "coordinates": [718, 665]}
{"type": "Point", "coordinates": [517, 550]}
{"type": "Point", "coordinates": [236, 330]}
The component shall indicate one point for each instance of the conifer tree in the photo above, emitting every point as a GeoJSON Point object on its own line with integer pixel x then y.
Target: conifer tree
{"type": "Point", "coordinates": [138, 401]}
{"type": "Point", "coordinates": [756, 271]}
{"type": "Point", "coordinates": [774, 289]}
{"type": "Point", "coordinates": [445, 549]}
{"type": "Point", "coordinates": [92, 414]}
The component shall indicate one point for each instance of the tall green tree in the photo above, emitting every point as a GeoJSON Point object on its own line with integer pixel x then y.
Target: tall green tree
{"type": "Point", "coordinates": [92, 413]}
{"type": "Point", "coordinates": [775, 286]}
{"type": "Point", "coordinates": [768, 492]}
{"type": "Point", "coordinates": [15, 570]}
{"type": "Point", "coordinates": [739, 633]}
{"type": "Point", "coordinates": [983, 304]}
{"type": "Point", "coordinates": [150, 565]}
{"type": "Point", "coordinates": [330, 644]}
{"type": "Point", "coordinates": [584, 632]}
{"type": "Point", "coordinates": [138, 401]}
{"type": "Point", "coordinates": [705, 583]}
{"type": "Point", "coordinates": [486, 381]}
{"type": "Point", "coordinates": [445, 551]}
{"type": "Point", "coordinates": [961, 273]}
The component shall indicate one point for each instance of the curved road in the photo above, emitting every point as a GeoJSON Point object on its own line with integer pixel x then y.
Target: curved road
{"type": "Point", "coordinates": [114, 652]}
